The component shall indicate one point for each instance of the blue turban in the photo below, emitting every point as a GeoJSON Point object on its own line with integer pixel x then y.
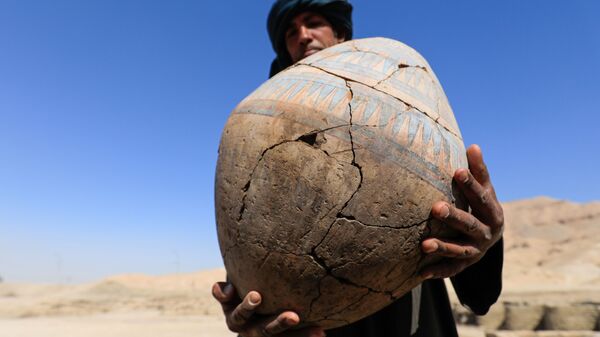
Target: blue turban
{"type": "Point", "coordinates": [337, 12]}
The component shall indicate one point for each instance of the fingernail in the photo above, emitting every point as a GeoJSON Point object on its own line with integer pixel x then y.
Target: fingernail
{"type": "Point", "coordinates": [228, 289]}
{"type": "Point", "coordinates": [291, 321]}
{"type": "Point", "coordinates": [433, 246]}
{"type": "Point", "coordinates": [445, 211]}
{"type": "Point", "coordinates": [427, 276]}
{"type": "Point", "coordinates": [254, 299]}
{"type": "Point", "coordinates": [465, 177]}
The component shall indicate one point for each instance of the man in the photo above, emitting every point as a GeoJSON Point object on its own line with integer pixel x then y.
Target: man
{"type": "Point", "coordinates": [299, 28]}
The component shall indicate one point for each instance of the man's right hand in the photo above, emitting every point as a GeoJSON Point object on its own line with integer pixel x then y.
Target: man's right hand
{"type": "Point", "coordinates": [241, 318]}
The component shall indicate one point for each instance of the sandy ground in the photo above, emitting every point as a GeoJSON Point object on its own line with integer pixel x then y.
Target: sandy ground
{"type": "Point", "coordinates": [129, 324]}
{"type": "Point", "coordinates": [552, 256]}
{"type": "Point", "coordinates": [134, 324]}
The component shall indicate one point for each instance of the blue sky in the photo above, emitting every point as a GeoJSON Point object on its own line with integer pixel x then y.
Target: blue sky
{"type": "Point", "coordinates": [111, 113]}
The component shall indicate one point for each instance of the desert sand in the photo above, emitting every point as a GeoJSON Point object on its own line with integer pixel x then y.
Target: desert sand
{"type": "Point", "coordinates": [552, 271]}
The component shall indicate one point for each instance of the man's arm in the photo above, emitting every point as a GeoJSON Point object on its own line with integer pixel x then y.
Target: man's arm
{"type": "Point", "coordinates": [475, 261]}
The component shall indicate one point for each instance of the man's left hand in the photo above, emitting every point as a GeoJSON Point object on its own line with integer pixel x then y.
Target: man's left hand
{"type": "Point", "coordinates": [480, 229]}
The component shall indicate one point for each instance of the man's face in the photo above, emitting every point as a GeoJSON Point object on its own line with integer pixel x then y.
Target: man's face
{"type": "Point", "coordinates": [307, 34]}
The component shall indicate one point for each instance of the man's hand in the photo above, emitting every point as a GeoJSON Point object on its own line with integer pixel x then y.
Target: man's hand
{"type": "Point", "coordinates": [241, 318]}
{"type": "Point", "coordinates": [480, 229]}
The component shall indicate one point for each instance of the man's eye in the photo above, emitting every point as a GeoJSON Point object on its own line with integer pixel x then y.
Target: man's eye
{"type": "Point", "coordinates": [290, 33]}
{"type": "Point", "coordinates": [314, 23]}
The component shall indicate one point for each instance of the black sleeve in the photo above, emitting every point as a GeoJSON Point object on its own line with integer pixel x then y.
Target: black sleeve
{"type": "Point", "coordinates": [435, 317]}
{"type": "Point", "coordinates": [479, 286]}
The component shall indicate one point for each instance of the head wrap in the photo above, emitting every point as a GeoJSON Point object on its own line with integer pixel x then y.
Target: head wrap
{"type": "Point", "coordinates": [337, 12]}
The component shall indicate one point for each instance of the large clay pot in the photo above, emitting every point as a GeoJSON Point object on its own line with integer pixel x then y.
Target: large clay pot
{"type": "Point", "coordinates": [325, 180]}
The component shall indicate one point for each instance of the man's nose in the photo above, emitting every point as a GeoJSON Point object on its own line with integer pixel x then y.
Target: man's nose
{"type": "Point", "coordinates": [304, 34]}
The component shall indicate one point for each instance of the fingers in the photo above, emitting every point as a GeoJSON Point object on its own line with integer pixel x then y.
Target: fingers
{"type": "Point", "coordinates": [222, 291]}
{"type": "Point", "coordinates": [280, 326]}
{"type": "Point", "coordinates": [237, 312]}
{"type": "Point", "coordinates": [460, 220]}
{"type": "Point", "coordinates": [286, 321]}
{"type": "Point", "coordinates": [480, 228]}
{"type": "Point", "coordinates": [479, 198]}
{"type": "Point", "coordinates": [477, 165]}
{"type": "Point", "coordinates": [225, 293]}
{"type": "Point", "coordinates": [476, 186]}
{"type": "Point", "coordinates": [282, 323]}
{"type": "Point", "coordinates": [449, 249]}
{"type": "Point", "coordinates": [241, 315]}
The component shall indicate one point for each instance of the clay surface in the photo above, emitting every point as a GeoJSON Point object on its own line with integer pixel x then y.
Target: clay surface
{"type": "Point", "coordinates": [325, 180]}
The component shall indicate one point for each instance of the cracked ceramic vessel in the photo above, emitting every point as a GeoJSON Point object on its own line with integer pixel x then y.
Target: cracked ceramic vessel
{"type": "Point", "coordinates": [325, 180]}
